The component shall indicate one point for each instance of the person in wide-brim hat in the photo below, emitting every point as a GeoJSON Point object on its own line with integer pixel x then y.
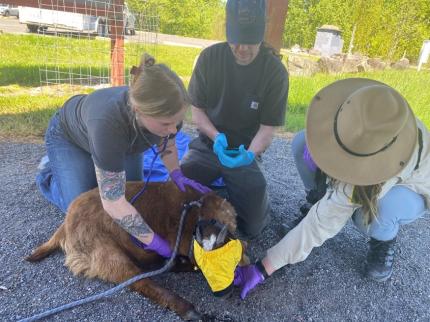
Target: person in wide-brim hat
{"type": "Point", "coordinates": [363, 155]}
{"type": "Point", "coordinates": [360, 131]}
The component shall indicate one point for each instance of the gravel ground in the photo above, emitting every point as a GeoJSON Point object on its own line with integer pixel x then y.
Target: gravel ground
{"type": "Point", "coordinates": [328, 286]}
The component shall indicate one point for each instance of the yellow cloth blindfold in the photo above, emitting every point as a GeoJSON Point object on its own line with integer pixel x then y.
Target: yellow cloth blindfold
{"type": "Point", "coordinates": [218, 265]}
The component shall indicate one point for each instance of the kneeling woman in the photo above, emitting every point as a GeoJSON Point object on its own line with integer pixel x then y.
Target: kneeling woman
{"type": "Point", "coordinates": [98, 140]}
{"type": "Point", "coordinates": [363, 135]}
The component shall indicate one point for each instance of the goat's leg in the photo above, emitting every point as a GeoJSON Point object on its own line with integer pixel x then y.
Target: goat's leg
{"type": "Point", "coordinates": [48, 247]}
{"type": "Point", "coordinates": [165, 298]}
{"type": "Point", "coordinates": [114, 266]}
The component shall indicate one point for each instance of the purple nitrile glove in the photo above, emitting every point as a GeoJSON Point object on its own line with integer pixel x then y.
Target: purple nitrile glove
{"type": "Point", "coordinates": [181, 181]}
{"type": "Point", "coordinates": [307, 158]}
{"type": "Point", "coordinates": [158, 245]}
{"type": "Point", "coordinates": [247, 277]}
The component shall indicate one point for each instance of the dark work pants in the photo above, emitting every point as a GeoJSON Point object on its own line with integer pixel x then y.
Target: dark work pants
{"type": "Point", "coordinates": [246, 186]}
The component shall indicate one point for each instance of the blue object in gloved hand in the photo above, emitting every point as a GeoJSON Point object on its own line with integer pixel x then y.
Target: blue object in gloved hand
{"type": "Point", "coordinates": [244, 157]}
{"type": "Point", "coordinates": [220, 144]}
{"type": "Point", "coordinates": [232, 152]}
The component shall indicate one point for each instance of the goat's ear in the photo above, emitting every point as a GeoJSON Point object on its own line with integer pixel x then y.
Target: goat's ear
{"type": "Point", "coordinates": [222, 236]}
{"type": "Point", "coordinates": [208, 198]}
{"type": "Point", "coordinates": [199, 236]}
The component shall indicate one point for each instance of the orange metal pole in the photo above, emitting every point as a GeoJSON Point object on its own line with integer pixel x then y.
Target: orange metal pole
{"type": "Point", "coordinates": [276, 15]}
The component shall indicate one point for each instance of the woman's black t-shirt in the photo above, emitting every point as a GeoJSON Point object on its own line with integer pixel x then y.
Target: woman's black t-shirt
{"type": "Point", "coordinates": [103, 124]}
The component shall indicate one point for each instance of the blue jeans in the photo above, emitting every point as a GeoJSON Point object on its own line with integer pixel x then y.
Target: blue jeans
{"type": "Point", "coordinates": [399, 205]}
{"type": "Point", "coordinates": [73, 169]}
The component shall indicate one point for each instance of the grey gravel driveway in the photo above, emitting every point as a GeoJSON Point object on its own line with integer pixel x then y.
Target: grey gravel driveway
{"type": "Point", "coordinates": [328, 286]}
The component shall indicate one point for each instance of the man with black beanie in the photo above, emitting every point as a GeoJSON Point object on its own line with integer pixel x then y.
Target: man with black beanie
{"type": "Point", "coordinates": [239, 91]}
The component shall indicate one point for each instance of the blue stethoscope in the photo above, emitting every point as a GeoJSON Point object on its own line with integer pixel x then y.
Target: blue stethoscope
{"type": "Point", "coordinates": [156, 154]}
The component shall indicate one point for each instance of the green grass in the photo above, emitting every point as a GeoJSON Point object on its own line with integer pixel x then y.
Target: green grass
{"type": "Point", "coordinates": [23, 55]}
{"type": "Point", "coordinates": [414, 86]}
{"type": "Point", "coordinates": [25, 109]}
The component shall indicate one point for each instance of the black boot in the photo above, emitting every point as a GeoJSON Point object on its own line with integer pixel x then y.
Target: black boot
{"type": "Point", "coordinates": [312, 197]}
{"type": "Point", "coordinates": [380, 257]}
{"type": "Point", "coordinates": [286, 227]}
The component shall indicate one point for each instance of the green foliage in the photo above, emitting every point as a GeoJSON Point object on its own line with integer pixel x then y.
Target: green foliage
{"type": "Point", "coordinates": [384, 28]}
{"type": "Point", "coordinates": [298, 25]}
{"type": "Point", "coordinates": [192, 18]}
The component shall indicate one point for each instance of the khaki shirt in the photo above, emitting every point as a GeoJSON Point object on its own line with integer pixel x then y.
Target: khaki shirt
{"type": "Point", "coordinates": [328, 216]}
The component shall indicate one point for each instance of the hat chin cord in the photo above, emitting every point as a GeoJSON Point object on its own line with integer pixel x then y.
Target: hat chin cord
{"type": "Point", "coordinates": [346, 149]}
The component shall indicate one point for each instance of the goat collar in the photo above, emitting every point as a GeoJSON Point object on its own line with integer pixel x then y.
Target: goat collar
{"type": "Point", "coordinates": [195, 203]}
{"type": "Point", "coordinates": [218, 265]}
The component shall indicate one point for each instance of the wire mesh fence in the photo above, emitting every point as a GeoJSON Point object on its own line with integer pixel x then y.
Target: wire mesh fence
{"type": "Point", "coordinates": [89, 40]}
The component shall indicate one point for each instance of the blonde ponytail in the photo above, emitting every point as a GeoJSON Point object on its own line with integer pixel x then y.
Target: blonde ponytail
{"type": "Point", "coordinates": [367, 197]}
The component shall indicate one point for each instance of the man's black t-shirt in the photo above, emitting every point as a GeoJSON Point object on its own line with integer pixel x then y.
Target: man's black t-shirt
{"type": "Point", "coordinates": [102, 124]}
{"type": "Point", "coordinates": [236, 98]}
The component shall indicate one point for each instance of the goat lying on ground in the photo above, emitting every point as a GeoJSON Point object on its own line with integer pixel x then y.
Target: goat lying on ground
{"type": "Point", "coordinates": [96, 246]}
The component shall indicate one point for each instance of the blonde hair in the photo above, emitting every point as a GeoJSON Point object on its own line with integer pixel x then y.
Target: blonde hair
{"type": "Point", "coordinates": [156, 90]}
{"type": "Point", "coordinates": [367, 197]}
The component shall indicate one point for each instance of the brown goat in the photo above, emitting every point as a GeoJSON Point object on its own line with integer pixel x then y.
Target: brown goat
{"type": "Point", "coordinates": [96, 246]}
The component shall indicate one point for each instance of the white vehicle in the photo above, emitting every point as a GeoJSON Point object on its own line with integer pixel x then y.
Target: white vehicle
{"type": "Point", "coordinates": [41, 19]}
{"type": "Point", "coordinates": [8, 10]}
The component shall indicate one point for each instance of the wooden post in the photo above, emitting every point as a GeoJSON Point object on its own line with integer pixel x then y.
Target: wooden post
{"type": "Point", "coordinates": [116, 23]}
{"type": "Point", "coordinates": [276, 12]}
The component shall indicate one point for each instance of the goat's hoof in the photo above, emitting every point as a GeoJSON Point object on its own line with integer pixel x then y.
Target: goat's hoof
{"type": "Point", "coordinates": [192, 315]}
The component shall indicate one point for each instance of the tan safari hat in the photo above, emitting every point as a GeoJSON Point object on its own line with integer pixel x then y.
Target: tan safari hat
{"type": "Point", "coordinates": [360, 131]}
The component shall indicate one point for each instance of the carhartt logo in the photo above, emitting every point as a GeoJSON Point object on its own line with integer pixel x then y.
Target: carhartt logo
{"type": "Point", "coordinates": [254, 105]}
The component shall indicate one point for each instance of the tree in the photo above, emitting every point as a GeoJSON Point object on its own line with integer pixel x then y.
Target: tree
{"type": "Point", "coordinates": [193, 18]}
{"type": "Point", "coordinates": [384, 28]}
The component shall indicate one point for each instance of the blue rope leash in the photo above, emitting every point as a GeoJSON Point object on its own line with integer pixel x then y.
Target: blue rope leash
{"type": "Point", "coordinates": [132, 280]}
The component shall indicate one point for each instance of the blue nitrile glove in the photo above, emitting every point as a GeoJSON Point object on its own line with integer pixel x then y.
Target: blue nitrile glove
{"type": "Point", "coordinates": [247, 277]}
{"type": "Point", "coordinates": [158, 245]}
{"type": "Point", "coordinates": [244, 157]}
{"type": "Point", "coordinates": [220, 144]}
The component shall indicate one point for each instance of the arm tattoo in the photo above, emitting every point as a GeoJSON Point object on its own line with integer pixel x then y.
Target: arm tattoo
{"type": "Point", "coordinates": [134, 224]}
{"type": "Point", "coordinates": [111, 184]}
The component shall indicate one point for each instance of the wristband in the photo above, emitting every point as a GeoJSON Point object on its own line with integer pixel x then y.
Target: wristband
{"type": "Point", "coordinates": [261, 268]}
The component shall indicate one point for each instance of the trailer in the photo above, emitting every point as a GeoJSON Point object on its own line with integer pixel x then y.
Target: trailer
{"type": "Point", "coordinates": [39, 20]}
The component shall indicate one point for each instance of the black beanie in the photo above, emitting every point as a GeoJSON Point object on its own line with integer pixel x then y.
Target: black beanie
{"type": "Point", "coordinates": [246, 21]}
